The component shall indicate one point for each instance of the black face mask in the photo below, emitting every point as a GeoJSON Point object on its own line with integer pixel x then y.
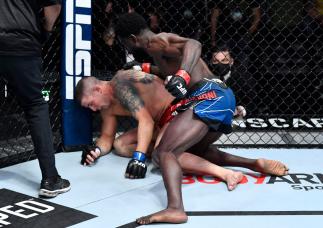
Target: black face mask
{"type": "Point", "coordinates": [221, 69]}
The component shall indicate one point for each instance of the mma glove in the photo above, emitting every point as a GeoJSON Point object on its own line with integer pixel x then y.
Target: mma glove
{"type": "Point", "coordinates": [87, 151]}
{"type": "Point", "coordinates": [137, 167]}
{"type": "Point", "coordinates": [134, 65]}
{"type": "Point", "coordinates": [178, 84]}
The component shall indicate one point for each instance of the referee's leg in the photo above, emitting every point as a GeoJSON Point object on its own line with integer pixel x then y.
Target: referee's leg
{"type": "Point", "coordinates": [24, 75]}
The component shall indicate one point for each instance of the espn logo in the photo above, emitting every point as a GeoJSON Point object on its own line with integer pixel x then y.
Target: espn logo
{"type": "Point", "coordinates": [77, 43]}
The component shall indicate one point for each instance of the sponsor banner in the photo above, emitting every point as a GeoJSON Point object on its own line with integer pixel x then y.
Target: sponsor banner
{"type": "Point", "coordinates": [279, 123]}
{"type": "Point", "coordinates": [76, 63]}
{"type": "Point", "coordinates": [19, 210]}
{"type": "Point", "coordinates": [295, 181]}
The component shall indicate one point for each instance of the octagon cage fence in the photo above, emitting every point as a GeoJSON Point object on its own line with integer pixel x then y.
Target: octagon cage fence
{"type": "Point", "coordinates": [276, 47]}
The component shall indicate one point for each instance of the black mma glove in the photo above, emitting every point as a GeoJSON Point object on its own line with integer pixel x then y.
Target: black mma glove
{"type": "Point", "coordinates": [178, 84]}
{"type": "Point", "coordinates": [136, 167]}
{"type": "Point", "coordinates": [87, 151]}
{"type": "Point", "coordinates": [134, 65]}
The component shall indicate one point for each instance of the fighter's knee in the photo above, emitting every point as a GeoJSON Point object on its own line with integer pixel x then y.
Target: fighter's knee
{"type": "Point", "coordinates": [162, 153]}
{"type": "Point", "coordinates": [121, 149]}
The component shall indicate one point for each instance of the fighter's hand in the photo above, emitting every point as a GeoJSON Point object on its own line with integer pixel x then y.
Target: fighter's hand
{"type": "Point", "coordinates": [177, 84]}
{"type": "Point", "coordinates": [90, 154]}
{"type": "Point", "coordinates": [177, 87]}
{"type": "Point", "coordinates": [134, 65]}
{"type": "Point", "coordinates": [137, 167]}
{"type": "Point", "coordinates": [240, 112]}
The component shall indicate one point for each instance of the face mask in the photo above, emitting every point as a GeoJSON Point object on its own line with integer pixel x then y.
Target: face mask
{"type": "Point", "coordinates": [221, 69]}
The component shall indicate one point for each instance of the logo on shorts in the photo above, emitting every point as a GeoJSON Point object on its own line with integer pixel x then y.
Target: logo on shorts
{"type": "Point", "coordinates": [217, 81]}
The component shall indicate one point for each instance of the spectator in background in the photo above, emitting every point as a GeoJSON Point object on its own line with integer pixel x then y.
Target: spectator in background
{"type": "Point", "coordinates": [138, 6]}
{"type": "Point", "coordinates": [235, 21]}
{"type": "Point", "coordinates": [149, 11]}
{"type": "Point", "coordinates": [108, 22]}
{"type": "Point", "coordinates": [131, 6]}
{"type": "Point", "coordinates": [283, 18]}
{"type": "Point", "coordinates": [154, 20]}
{"type": "Point", "coordinates": [107, 54]}
{"type": "Point", "coordinates": [189, 24]}
{"type": "Point", "coordinates": [188, 18]}
{"type": "Point", "coordinates": [315, 10]}
{"type": "Point", "coordinates": [22, 33]}
{"type": "Point", "coordinates": [293, 22]}
{"type": "Point", "coordinates": [109, 36]}
{"type": "Point", "coordinates": [110, 14]}
{"type": "Point", "coordinates": [294, 49]}
{"type": "Point", "coordinates": [222, 64]}
{"type": "Point", "coordinates": [313, 25]}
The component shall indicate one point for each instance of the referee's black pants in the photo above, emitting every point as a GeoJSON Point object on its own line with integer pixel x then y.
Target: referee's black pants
{"type": "Point", "coordinates": [23, 74]}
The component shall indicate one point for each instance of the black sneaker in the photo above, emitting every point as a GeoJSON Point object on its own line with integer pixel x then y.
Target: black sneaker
{"type": "Point", "coordinates": [51, 187]}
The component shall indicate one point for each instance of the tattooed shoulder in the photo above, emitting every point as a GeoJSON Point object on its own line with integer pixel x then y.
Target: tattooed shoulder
{"type": "Point", "coordinates": [135, 76]}
{"type": "Point", "coordinates": [146, 78]}
{"type": "Point", "coordinates": [141, 77]}
{"type": "Point", "coordinates": [128, 95]}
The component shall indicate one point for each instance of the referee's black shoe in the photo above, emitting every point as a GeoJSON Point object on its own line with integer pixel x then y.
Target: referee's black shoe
{"type": "Point", "coordinates": [51, 187]}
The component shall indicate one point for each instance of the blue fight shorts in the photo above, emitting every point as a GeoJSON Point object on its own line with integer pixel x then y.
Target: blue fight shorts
{"type": "Point", "coordinates": [217, 110]}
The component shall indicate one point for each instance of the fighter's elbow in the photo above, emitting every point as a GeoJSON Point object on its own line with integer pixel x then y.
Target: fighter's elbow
{"type": "Point", "coordinates": [195, 44]}
{"type": "Point", "coordinates": [198, 43]}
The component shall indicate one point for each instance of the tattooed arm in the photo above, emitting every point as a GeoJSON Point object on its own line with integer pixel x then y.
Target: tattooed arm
{"type": "Point", "coordinates": [128, 96]}
{"type": "Point", "coordinates": [137, 76]}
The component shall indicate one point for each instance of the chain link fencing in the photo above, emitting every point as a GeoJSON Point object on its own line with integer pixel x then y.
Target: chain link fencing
{"type": "Point", "coordinates": [276, 73]}
{"type": "Point", "coordinates": [276, 47]}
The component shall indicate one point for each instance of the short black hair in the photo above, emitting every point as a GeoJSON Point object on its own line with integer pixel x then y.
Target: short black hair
{"type": "Point", "coordinates": [221, 47]}
{"type": "Point", "coordinates": [130, 24]}
{"type": "Point", "coordinates": [84, 87]}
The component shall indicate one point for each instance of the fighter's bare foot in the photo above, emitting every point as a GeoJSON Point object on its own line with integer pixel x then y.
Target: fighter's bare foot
{"type": "Point", "coordinates": [232, 179]}
{"type": "Point", "coordinates": [271, 167]}
{"type": "Point", "coordinates": [168, 215]}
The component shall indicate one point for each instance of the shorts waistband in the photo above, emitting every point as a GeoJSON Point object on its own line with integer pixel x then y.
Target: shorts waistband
{"type": "Point", "coordinates": [203, 81]}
